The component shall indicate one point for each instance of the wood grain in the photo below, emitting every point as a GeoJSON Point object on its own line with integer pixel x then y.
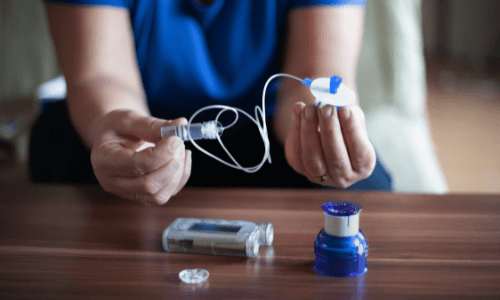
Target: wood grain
{"type": "Point", "coordinates": [63, 242]}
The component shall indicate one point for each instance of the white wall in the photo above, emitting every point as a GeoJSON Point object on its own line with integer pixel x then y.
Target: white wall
{"type": "Point", "coordinates": [26, 52]}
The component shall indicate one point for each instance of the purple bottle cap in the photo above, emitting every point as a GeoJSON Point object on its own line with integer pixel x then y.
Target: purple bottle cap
{"type": "Point", "coordinates": [341, 209]}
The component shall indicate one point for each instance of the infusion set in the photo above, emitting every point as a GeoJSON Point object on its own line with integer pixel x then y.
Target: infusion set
{"type": "Point", "coordinates": [325, 90]}
{"type": "Point", "coordinates": [218, 237]}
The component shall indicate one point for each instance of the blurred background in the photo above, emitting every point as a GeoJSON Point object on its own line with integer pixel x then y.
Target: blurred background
{"type": "Point", "coordinates": [458, 41]}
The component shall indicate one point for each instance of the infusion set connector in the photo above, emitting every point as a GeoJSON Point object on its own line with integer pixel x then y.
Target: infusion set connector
{"type": "Point", "coordinates": [206, 130]}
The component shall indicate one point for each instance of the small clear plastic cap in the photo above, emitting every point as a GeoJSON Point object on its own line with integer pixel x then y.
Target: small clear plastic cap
{"type": "Point", "coordinates": [252, 244]}
{"type": "Point", "coordinates": [194, 275]}
{"type": "Point", "coordinates": [266, 234]}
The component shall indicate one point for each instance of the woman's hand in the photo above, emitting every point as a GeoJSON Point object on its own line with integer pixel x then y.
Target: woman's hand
{"type": "Point", "coordinates": [328, 146]}
{"type": "Point", "coordinates": [127, 162]}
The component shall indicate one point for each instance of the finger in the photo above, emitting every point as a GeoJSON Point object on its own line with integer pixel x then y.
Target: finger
{"type": "Point", "coordinates": [169, 190]}
{"type": "Point", "coordinates": [361, 151]}
{"type": "Point", "coordinates": [187, 172]}
{"type": "Point", "coordinates": [165, 179]}
{"type": "Point", "coordinates": [312, 153]}
{"type": "Point", "coordinates": [293, 147]}
{"type": "Point", "coordinates": [334, 148]}
{"type": "Point", "coordinates": [143, 127]}
{"type": "Point", "coordinates": [117, 161]}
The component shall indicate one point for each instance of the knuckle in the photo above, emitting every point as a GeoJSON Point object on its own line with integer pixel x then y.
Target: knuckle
{"type": "Point", "coordinates": [328, 131]}
{"type": "Point", "coordinates": [163, 198]}
{"type": "Point", "coordinates": [342, 183]}
{"type": "Point", "coordinates": [98, 156]}
{"type": "Point", "coordinates": [150, 188]}
{"type": "Point", "coordinates": [176, 163]}
{"type": "Point", "coordinates": [105, 186]}
{"type": "Point", "coordinates": [366, 172]}
{"type": "Point", "coordinates": [160, 199]}
{"type": "Point", "coordinates": [126, 114]}
{"type": "Point", "coordinates": [155, 124]}
{"type": "Point", "coordinates": [349, 179]}
{"type": "Point", "coordinates": [313, 165]}
{"type": "Point", "coordinates": [366, 166]}
{"type": "Point", "coordinates": [340, 167]}
{"type": "Point", "coordinates": [135, 168]}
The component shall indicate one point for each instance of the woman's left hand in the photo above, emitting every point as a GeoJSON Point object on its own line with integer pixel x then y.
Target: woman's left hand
{"type": "Point", "coordinates": [328, 146]}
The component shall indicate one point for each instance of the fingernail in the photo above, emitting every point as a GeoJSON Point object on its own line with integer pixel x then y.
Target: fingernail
{"type": "Point", "coordinates": [346, 111]}
{"type": "Point", "coordinates": [175, 144]}
{"type": "Point", "coordinates": [309, 112]}
{"type": "Point", "coordinates": [326, 110]}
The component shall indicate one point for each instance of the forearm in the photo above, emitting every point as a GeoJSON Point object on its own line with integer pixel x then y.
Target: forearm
{"type": "Point", "coordinates": [321, 42]}
{"type": "Point", "coordinates": [96, 53]}
{"type": "Point", "coordinates": [91, 100]}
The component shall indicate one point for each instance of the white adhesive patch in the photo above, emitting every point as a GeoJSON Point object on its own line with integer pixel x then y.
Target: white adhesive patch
{"type": "Point", "coordinates": [320, 88]}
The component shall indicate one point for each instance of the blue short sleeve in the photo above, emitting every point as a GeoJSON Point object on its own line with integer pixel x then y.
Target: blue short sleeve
{"type": "Point", "coordinates": [302, 3]}
{"type": "Point", "coordinates": [116, 3]}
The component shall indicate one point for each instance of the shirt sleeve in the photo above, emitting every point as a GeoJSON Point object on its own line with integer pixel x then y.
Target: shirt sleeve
{"type": "Point", "coordinates": [115, 3]}
{"type": "Point", "coordinates": [309, 3]}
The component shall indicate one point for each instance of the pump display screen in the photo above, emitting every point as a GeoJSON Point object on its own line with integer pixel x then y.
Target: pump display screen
{"type": "Point", "coordinates": [214, 227]}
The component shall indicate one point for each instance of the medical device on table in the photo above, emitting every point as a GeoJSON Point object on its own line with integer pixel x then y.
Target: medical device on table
{"type": "Point", "coordinates": [341, 247]}
{"type": "Point", "coordinates": [220, 237]}
{"type": "Point", "coordinates": [325, 90]}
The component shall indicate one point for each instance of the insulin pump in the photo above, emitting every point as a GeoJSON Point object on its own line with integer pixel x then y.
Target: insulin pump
{"type": "Point", "coordinates": [218, 237]}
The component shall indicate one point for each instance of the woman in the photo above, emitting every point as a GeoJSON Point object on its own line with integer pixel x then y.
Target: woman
{"type": "Point", "coordinates": [131, 66]}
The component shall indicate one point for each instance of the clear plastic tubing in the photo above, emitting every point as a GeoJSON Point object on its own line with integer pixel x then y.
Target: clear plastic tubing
{"type": "Point", "coordinates": [206, 130]}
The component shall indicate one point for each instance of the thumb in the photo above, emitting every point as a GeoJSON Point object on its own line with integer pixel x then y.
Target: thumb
{"type": "Point", "coordinates": [144, 128]}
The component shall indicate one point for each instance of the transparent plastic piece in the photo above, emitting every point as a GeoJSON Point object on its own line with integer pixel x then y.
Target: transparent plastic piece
{"type": "Point", "coordinates": [194, 275]}
{"type": "Point", "coordinates": [266, 235]}
{"type": "Point", "coordinates": [198, 131]}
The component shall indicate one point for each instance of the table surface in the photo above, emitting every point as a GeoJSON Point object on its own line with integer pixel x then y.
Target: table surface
{"type": "Point", "coordinates": [64, 242]}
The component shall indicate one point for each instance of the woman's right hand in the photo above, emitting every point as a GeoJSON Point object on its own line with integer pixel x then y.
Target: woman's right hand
{"type": "Point", "coordinates": [131, 160]}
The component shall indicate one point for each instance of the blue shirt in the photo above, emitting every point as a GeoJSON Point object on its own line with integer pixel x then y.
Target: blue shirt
{"type": "Point", "coordinates": [192, 55]}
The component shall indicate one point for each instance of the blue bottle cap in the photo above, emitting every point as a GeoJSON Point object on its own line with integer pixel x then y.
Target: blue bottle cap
{"type": "Point", "coordinates": [341, 209]}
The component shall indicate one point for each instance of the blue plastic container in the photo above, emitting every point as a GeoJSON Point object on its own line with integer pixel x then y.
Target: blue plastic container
{"type": "Point", "coordinates": [341, 256]}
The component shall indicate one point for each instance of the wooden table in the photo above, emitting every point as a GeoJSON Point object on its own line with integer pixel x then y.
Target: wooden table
{"type": "Point", "coordinates": [62, 242]}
